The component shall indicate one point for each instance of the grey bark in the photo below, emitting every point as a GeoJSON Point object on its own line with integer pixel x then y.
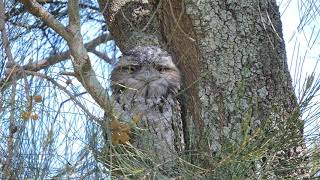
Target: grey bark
{"type": "Point", "coordinates": [233, 62]}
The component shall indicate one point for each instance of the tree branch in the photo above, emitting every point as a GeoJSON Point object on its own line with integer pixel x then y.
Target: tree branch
{"type": "Point", "coordinates": [4, 33]}
{"type": "Point", "coordinates": [8, 172]}
{"type": "Point", "coordinates": [36, 9]}
{"type": "Point", "coordinates": [78, 53]}
{"type": "Point", "coordinates": [74, 17]}
{"type": "Point", "coordinates": [102, 56]}
{"type": "Point", "coordinates": [49, 61]}
{"type": "Point", "coordinates": [72, 97]}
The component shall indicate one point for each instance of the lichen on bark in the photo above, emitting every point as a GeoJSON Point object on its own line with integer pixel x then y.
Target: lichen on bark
{"type": "Point", "coordinates": [132, 23]}
{"type": "Point", "coordinates": [240, 47]}
{"type": "Point", "coordinates": [232, 58]}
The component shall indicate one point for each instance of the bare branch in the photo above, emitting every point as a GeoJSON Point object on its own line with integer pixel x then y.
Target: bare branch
{"type": "Point", "coordinates": [74, 17]}
{"type": "Point", "coordinates": [45, 1]}
{"type": "Point", "coordinates": [4, 33]}
{"type": "Point", "coordinates": [97, 41]}
{"type": "Point", "coordinates": [79, 55]}
{"type": "Point", "coordinates": [81, 5]}
{"type": "Point", "coordinates": [8, 172]}
{"type": "Point", "coordinates": [102, 56]}
{"type": "Point", "coordinates": [36, 9]}
{"type": "Point", "coordinates": [49, 61]}
{"type": "Point", "coordinates": [72, 97]}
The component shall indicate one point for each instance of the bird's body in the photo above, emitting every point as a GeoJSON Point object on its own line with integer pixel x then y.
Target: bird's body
{"type": "Point", "coordinates": [146, 81]}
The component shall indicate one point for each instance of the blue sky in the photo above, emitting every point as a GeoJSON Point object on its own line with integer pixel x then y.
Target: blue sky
{"type": "Point", "coordinates": [301, 31]}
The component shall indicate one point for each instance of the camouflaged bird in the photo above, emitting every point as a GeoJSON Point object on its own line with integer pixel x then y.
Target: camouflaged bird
{"type": "Point", "coordinates": [146, 81]}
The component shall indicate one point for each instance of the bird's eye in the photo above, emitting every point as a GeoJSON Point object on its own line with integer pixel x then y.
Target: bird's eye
{"type": "Point", "coordinates": [162, 69]}
{"type": "Point", "coordinates": [130, 68]}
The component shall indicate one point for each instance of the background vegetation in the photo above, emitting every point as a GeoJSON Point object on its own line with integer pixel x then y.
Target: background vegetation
{"type": "Point", "coordinates": [50, 126]}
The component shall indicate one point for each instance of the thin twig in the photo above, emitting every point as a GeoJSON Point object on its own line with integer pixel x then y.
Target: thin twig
{"type": "Point", "coordinates": [72, 97]}
{"type": "Point", "coordinates": [103, 56]}
{"type": "Point", "coordinates": [36, 9]}
{"type": "Point", "coordinates": [10, 148]}
{"type": "Point", "coordinates": [51, 60]}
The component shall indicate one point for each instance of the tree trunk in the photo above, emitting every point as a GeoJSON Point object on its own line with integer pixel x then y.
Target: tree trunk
{"type": "Point", "coordinates": [237, 88]}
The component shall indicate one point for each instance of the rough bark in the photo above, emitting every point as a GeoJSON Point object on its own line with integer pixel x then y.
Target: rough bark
{"type": "Point", "coordinates": [232, 58]}
{"type": "Point", "coordinates": [139, 19]}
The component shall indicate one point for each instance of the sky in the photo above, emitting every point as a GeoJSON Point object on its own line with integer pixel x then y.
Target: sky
{"type": "Point", "coordinates": [301, 31]}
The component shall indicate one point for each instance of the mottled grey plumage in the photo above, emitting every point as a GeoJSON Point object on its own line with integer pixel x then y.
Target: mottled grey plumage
{"type": "Point", "coordinates": [145, 80]}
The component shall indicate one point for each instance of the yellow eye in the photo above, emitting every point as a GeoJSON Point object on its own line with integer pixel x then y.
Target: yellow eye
{"type": "Point", "coordinates": [129, 69]}
{"type": "Point", "coordinates": [162, 69]}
